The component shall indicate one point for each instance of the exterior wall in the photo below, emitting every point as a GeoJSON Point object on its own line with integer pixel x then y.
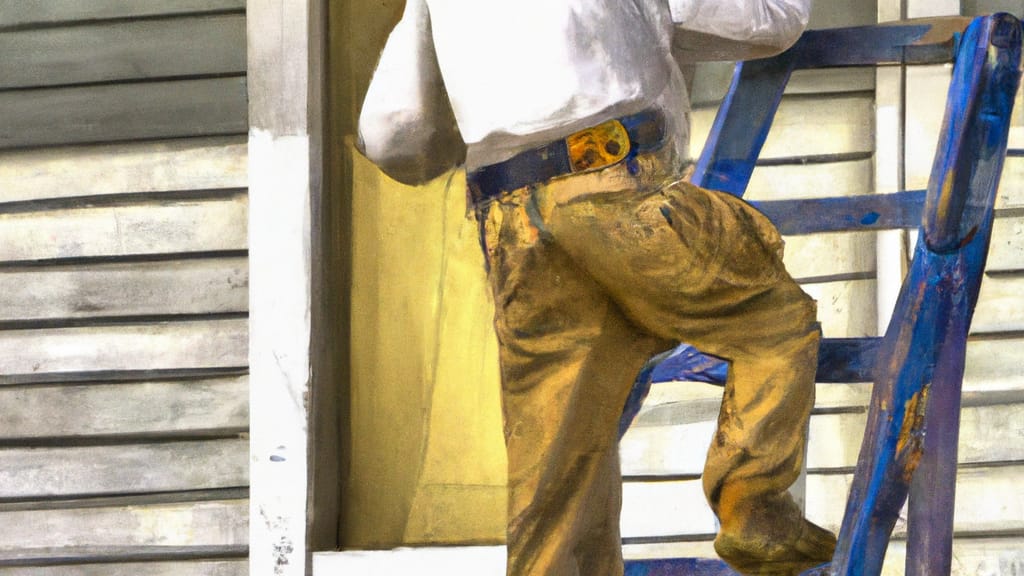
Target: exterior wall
{"type": "Point", "coordinates": [123, 287]}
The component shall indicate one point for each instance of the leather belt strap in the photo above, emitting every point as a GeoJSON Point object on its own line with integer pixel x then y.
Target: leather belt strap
{"type": "Point", "coordinates": [591, 149]}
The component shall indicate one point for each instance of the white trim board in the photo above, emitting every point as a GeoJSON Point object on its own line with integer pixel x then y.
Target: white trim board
{"type": "Point", "coordinates": [972, 556]}
{"type": "Point", "coordinates": [447, 561]}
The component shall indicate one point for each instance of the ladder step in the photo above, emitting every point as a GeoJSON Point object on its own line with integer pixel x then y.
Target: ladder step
{"type": "Point", "coordinates": [840, 360]}
{"type": "Point", "coordinates": [870, 212]}
{"type": "Point", "coordinates": [679, 567]}
{"type": "Point", "coordinates": [847, 360]}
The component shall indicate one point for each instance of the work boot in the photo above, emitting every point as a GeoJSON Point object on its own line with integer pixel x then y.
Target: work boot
{"type": "Point", "coordinates": [770, 537]}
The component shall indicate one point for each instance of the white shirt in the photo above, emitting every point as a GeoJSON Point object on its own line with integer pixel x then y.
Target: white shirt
{"type": "Point", "coordinates": [503, 76]}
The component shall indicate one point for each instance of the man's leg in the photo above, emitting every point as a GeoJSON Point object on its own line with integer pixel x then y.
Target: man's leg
{"type": "Point", "coordinates": [705, 268]}
{"type": "Point", "coordinates": [568, 356]}
{"type": "Point", "coordinates": [757, 451]}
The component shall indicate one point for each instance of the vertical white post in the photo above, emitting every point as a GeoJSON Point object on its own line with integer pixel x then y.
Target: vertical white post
{"type": "Point", "coordinates": [889, 142]}
{"type": "Point", "coordinates": [926, 8]}
{"type": "Point", "coordinates": [890, 257]}
{"type": "Point", "coordinates": [284, 179]}
{"type": "Point", "coordinates": [903, 158]}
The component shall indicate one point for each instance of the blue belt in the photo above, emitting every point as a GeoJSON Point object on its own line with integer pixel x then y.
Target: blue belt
{"type": "Point", "coordinates": [591, 149]}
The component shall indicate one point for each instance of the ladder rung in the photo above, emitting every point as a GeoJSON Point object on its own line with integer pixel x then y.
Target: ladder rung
{"type": "Point", "coordinates": [870, 212]}
{"type": "Point", "coordinates": [678, 566]}
{"type": "Point", "coordinates": [846, 360]}
{"type": "Point", "coordinates": [840, 360]}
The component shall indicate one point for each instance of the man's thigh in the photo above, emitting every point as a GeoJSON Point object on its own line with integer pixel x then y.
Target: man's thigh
{"type": "Point", "coordinates": [680, 261]}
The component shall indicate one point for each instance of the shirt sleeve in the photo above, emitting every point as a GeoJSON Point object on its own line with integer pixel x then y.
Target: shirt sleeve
{"type": "Point", "coordinates": [736, 29]}
{"type": "Point", "coordinates": [406, 125]}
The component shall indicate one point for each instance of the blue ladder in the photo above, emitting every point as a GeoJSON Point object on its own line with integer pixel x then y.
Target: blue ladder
{"type": "Point", "coordinates": [917, 367]}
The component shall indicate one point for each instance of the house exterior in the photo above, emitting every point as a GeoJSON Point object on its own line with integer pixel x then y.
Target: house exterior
{"type": "Point", "coordinates": [229, 344]}
{"type": "Point", "coordinates": [124, 282]}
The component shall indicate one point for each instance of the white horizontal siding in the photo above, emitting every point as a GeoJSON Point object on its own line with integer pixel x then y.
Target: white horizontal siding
{"type": "Point", "coordinates": [120, 169]}
{"type": "Point", "coordinates": [155, 408]}
{"type": "Point", "coordinates": [90, 531]}
{"type": "Point", "coordinates": [81, 471]}
{"type": "Point", "coordinates": [189, 287]}
{"type": "Point", "coordinates": [34, 13]}
{"type": "Point", "coordinates": [112, 51]}
{"type": "Point", "coordinates": [123, 288]}
{"type": "Point", "coordinates": [50, 354]}
{"type": "Point", "coordinates": [190, 567]}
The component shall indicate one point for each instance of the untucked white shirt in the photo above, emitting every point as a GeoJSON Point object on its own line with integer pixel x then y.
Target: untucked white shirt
{"type": "Point", "coordinates": [503, 76]}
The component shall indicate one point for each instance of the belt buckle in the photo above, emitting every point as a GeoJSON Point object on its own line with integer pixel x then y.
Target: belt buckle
{"type": "Point", "coordinates": [598, 147]}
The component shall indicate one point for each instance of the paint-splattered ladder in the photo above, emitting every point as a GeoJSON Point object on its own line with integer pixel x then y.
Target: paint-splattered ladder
{"type": "Point", "coordinates": [917, 367]}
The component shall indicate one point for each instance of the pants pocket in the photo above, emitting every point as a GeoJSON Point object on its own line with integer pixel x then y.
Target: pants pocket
{"type": "Point", "coordinates": [735, 245]}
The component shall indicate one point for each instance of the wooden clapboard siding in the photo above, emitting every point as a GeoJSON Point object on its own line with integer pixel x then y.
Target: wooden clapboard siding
{"type": "Point", "coordinates": [54, 354]}
{"type": "Point", "coordinates": [36, 13]}
{"type": "Point", "coordinates": [978, 445]}
{"type": "Point", "coordinates": [977, 512]}
{"type": "Point", "coordinates": [170, 408]}
{"type": "Point", "coordinates": [992, 366]}
{"type": "Point", "coordinates": [237, 567]}
{"type": "Point", "coordinates": [993, 363]}
{"type": "Point", "coordinates": [842, 178]}
{"type": "Point", "coordinates": [1007, 250]}
{"type": "Point", "coordinates": [114, 51]}
{"type": "Point", "coordinates": [148, 228]}
{"type": "Point", "coordinates": [711, 82]}
{"type": "Point", "coordinates": [201, 286]}
{"type": "Point", "coordinates": [835, 13]}
{"type": "Point", "coordinates": [831, 81]}
{"type": "Point", "coordinates": [1000, 307]}
{"type": "Point", "coordinates": [843, 125]}
{"type": "Point", "coordinates": [671, 439]}
{"type": "Point", "coordinates": [971, 556]}
{"type": "Point", "coordinates": [123, 287]}
{"type": "Point", "coordinates": [114, 112]}
{"type": "Point", "coordinates": [987, 500]}
{"type": "Point", "coordinates": [837, 256]}
{"type": "Point", "coordinates": [79, 471]}
{"type": "Point", "coordinates": [1010, 194]}
{"type": "Point", "coordinates": [162, 166]}
{"type": "Point", "coordinates": [132, 528]}
{"type": "Point", "coordinates": [846, 308]}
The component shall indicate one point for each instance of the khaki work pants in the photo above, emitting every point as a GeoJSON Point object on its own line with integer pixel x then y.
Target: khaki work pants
{"type": "Point", "coordinates": [592, 274]}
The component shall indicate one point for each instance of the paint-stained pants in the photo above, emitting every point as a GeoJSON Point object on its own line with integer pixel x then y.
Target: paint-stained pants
{"type": "Point", "coordinates": [592, 274]}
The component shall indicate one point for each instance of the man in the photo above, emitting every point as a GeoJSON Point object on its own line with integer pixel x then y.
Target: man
{"type": "Point", "coordinates": [570, 117]}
